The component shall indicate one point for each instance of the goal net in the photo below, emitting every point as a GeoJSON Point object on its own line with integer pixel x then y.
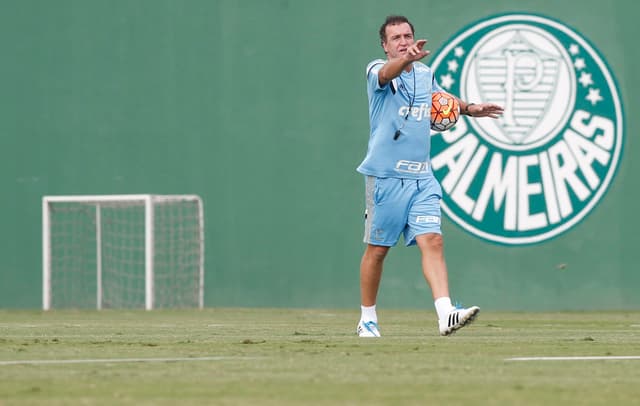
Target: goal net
{"type": "Point", "coordinates": [123, 251]}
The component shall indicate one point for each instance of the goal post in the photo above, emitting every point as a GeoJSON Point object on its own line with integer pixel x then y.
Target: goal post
{"type": "Point", "coordinates": [122, 251]}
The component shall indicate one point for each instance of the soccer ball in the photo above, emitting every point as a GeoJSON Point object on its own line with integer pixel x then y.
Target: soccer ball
{"type": "Point", "coordinates": [445, 111]}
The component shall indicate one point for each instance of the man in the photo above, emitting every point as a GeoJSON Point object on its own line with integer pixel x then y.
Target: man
{"type": "Point", "coordinates": [402, 194]}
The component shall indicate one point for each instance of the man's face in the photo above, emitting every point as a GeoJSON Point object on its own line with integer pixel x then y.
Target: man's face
{"type": "Point", "coordinates": [399, 37]}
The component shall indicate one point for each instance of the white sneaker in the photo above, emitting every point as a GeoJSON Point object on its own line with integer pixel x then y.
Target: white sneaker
{"type": "Point", "coordinates": [368, 329]}
{"type": "Point", "coordinates": [456, 319]}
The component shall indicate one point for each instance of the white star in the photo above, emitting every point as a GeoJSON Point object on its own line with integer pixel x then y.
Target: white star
{"type": "Point", "coordinates": [446, 81]}
{"type": "Point", "coordinates": [458, 52]}
{"type": "Point", "coordinates": [585, 79]}
{"type": "Point", "coordinates": [579, 64]}
{"type": "Point", "coordinates": [573, 49]}
{"type": "Point", "coordinates": [594, 96]}
{"type": "Point", "coordinates": [452, 65]}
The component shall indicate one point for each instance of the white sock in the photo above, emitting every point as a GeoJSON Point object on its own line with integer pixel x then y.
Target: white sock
{"type": "Point", "coordinates": [369, 313]}
{"type": "Point", "coordinates": [443, 307]}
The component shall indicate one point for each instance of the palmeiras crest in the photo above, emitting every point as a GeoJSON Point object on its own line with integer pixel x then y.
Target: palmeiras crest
{"type": "Point", "coordinates": [543, 166]}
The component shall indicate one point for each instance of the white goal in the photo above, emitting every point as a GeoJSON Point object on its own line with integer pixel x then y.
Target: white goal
{"type": "Point", "coordinates": [122, 251]}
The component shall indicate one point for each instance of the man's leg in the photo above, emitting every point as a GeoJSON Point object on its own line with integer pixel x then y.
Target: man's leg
{"type": "Point", "coordinates": [370, 276]}
{"type": "Point", "coordinates": [371, 273]}
{"type": "Point", "coordinates": [434, 266]}
{"type": "Point", "coordinates": [434, 269]}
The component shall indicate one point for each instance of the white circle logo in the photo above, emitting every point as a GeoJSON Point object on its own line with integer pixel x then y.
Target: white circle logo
{"type": "Point", "coordinates": [542, 167]}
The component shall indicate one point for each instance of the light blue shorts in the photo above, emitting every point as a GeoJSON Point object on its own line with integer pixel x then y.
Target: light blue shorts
{"type": "Point", "coordinates": [400, 206]}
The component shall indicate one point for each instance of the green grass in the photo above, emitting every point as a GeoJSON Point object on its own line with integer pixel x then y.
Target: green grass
{"type": "Point", "coordinates": [296, 357]}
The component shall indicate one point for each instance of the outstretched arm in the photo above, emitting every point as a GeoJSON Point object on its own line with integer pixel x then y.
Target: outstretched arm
{"type": "Point", "coordinates": [480, 109]}
{"type": "Point", "coordinates": [394, 66]}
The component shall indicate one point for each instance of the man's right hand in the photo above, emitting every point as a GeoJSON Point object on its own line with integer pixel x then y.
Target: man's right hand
{"type": "Point", "coordinates": [415, 51]}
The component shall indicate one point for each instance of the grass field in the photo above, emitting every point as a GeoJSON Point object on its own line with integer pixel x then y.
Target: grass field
{"type": "Point", "coordinates": [312, 357]}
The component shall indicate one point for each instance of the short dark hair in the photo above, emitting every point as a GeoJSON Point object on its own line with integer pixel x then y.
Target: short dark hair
{"type": "Point", "coordinates": [393, 20]}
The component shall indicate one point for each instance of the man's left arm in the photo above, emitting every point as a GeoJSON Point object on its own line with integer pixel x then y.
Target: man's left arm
{"type": "Point", "coordinates": [480, 109]}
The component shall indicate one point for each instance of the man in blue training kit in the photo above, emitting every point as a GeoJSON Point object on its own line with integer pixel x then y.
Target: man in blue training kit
{"type": "Point", "coordinates": [402, 194]}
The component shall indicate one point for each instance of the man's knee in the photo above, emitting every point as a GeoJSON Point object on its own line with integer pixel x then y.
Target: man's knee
{"type": "Point", "coordinates": [430, 240]}
{"type": "Point", "coordinates": [376, 252]}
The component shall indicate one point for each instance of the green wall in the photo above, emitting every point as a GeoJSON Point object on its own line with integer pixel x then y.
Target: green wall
{"type": "Point", "coordinates": [260, 107]}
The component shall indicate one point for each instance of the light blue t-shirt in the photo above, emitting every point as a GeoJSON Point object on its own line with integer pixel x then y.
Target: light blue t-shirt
{"type": "Point", "coordinates": [408, 95]}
